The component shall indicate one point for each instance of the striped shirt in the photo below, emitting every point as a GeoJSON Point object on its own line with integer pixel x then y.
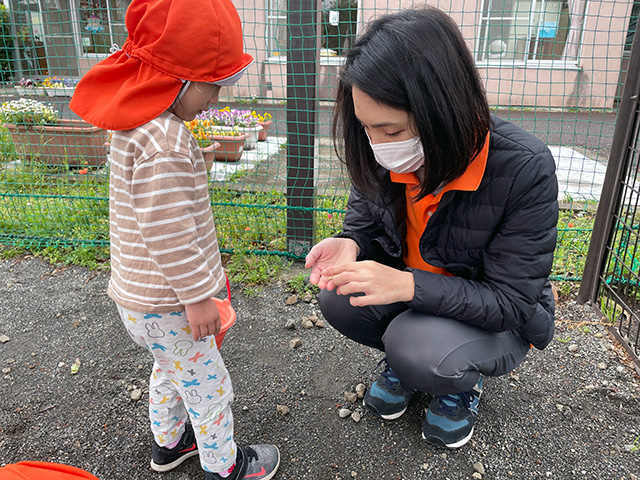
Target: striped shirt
{"type": "Point", "coordinates": [164, 250]}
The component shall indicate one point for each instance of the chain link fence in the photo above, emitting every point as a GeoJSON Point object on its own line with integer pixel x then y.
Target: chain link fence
{"type": "Point", "coordinates": [555, 68]}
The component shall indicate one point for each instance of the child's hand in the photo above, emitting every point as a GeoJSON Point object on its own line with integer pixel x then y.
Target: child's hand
{"type": "Point", "coordinates": [204, 318]}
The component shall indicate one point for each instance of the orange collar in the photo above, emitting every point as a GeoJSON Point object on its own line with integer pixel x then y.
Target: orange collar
{"type": "Point", "coordinates": [468, 181]}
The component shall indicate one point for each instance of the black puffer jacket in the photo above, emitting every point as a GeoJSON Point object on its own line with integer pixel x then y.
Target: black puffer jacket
{"type": "Point", "coordinates": [498, 241]}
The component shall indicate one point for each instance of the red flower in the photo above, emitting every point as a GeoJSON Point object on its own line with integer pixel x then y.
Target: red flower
{"type": "Point", "coordinates": [84, 171]}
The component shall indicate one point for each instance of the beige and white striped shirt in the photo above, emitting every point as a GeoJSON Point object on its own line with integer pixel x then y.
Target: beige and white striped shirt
{"type": "Point", "coordinates": [164, 250]}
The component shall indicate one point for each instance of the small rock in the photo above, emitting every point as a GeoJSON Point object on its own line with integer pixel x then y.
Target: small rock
{"type": "Point", "coordinates": [351, 397]}
{"type": "Point", "coordinates": [6, 370]}
{"type": "Point", "coordinates": [308, 296]}
{"type": "Point", "coordinates": [4, 339]}
{"type": "Point", "coordinates": [478, 467]}
{"type": "Point", "coordinates": [602, 366]}
{"type": "Point", "coordinates": [360, 389]}
{"type": "Point", "coordinates": [620, 369]}
{"type": "Point", "coordinates": [308, 324]}
{"type": "Point", "coordinates": [319, 323]}
{"type": "Point", "coordinates": [295, 343]}
{"type": "Point", "coordinates": [136, 394]}
{"type": "Point", "coordinates": [355, 416]}
{"type": "Point", "coordinates": [476, 475]}
{"type": "Point", "coordinates": [344, 412]}
{"type": "Point", "coordinates": [354, 474]}
{"type": "Point", "coordinates": [290, 324]}
{"type": "Point", "coordinates": [292, 300]}
{"type": "Point", "coordinates": [573, 347]}
{"type": "Point", "coordinates": [330, 348]}
{"type": "Point", "coordinates": [283, 410]}
{"type": "Point", "coordinates": [245, 408]}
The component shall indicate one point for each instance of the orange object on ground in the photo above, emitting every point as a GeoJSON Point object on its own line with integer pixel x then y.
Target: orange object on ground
{"type": "Point", "coordinates": [29, 470]}
{"type": "Point", "coordinates": [227, 315]}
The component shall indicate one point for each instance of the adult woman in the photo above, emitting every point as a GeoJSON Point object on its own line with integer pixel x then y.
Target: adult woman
{"type": "Point", "coordinates": [450, 229]}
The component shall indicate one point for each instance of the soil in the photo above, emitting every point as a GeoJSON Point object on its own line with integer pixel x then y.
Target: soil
{"type": "Point", "coordinates": [570, 411]}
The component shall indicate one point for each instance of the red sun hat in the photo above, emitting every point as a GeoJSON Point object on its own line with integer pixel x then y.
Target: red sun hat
{"type": "Point", "coordinates": [169, 41]}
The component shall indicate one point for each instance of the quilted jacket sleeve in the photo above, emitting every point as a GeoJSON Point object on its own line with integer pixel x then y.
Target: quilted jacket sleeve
{"type": "Point", "coordinates": [516, 263]}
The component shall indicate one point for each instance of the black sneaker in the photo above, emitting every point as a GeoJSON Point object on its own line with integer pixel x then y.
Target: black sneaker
{"type": "Point", "coordinates": [450, 419]}
{"type": "Point", "coordinates": [257, 462]}
{"type": "Point", "coordinates": [388, 397]}
{"type": "Point", "coordinates": [164, 459]}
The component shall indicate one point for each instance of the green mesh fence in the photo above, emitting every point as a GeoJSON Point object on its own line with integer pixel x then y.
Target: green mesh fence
{"type": "Point", "coordinates": [553, 67]}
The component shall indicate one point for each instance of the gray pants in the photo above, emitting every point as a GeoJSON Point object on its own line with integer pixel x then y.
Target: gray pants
{"type": "Point", "coordinates": [432, 354]}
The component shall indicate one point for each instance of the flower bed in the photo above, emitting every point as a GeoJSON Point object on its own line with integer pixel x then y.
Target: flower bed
{"type": "Point", "coordinates": [40, 135]}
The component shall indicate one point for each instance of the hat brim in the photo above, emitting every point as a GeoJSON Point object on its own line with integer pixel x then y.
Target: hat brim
{"type": "Point", "coordinates": [247, 60]}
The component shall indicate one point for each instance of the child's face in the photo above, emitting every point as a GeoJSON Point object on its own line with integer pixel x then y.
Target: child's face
{"type": "Point", "coordinates": [199, 96]}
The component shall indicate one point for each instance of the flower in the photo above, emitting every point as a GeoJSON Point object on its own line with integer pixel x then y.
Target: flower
{"type": "Point", "coordinates": [229, 117]}
{"type": "Point", "coordinates": [57, 82]}
{"type": "Point", "coordinates": [204, 129]}
{"type": "Point", "coordinates": [28, 111]}
{"type": "Point", "coordinates": [265, 117]}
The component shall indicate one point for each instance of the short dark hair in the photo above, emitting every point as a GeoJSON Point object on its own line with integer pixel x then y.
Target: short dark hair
{"type": "Point", "coordinates": [416, 61]}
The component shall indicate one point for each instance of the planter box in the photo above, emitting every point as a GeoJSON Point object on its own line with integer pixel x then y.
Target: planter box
{"type": "Point", "coordinates": [71, 142]}
{"type": "Point", "coordinates": [252, 136]}
{"type": "Point", "coordinates": [60, 91]}
{"type": "Point", "coordinates": [31, 91]}
{"type": "Point", "coordinates": [262, 136]}
{"type": "Point", "coordinates": [231, 147]}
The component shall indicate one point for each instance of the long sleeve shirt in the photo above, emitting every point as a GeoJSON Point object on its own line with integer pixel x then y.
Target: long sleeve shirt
{"type": "Point", "coordinates": [164, 250]}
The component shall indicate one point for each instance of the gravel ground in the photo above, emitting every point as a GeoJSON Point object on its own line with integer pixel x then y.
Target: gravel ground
{"type": "Point", "coordinates": [571, 411]}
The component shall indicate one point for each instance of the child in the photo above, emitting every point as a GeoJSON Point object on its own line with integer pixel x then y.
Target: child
{"type": "Point", "coordinates": [165, 260]}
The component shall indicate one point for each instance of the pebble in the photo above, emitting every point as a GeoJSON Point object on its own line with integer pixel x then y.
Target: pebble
{"type": "Point", "coordinates": [354, 474]}
{"type": "Point", "coordinates": [283, 410]}
{"type": "Point", "coordinates": [292, 300]}
{"type": "Point", "coordinates": [360, 389]}
{"type": "Point", "coordinates": [478, 467]}
{"type": "Point", "coordinates": [4, 339]}
{"type": "Point", "coordinates": [295, 343]}
{"type": "Point", "coordinates": [573, 348]}
{"type": "Point", "coordinates": [344, 412]}
{"type": "Point", "coordinates": [620, 369]}
{"type": "Point", "coordinates": [308, 297]}
{"type": "Point", "coordinates": [136, 394]}
{"type": "Point", "coordinates": [476, 475]}
{"type": "Point", "coordinates": [602, 366]}
{"type": "Point", "coordinates": [6, 370]}
{"type": "Point", "coordinates": [319, 323]}
{"type": "Point", "coordinates": [351, 397]}
{"type": "Point", "coordinates": [355, 416]}
{"type": "Point", "coordinates": [308, 324]}
{"type": "Point", "coordinates": [290, 324]}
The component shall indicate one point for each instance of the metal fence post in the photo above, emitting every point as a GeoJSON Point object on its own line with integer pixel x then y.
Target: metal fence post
{"type": "Point", "coordinates": [302, 114]}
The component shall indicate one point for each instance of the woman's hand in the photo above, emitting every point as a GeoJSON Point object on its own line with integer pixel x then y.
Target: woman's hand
{"type": "Point", "coordinates": [204, 318]}
{"type": "Point", "coordinates": [377, 284]}
{"type": "Point", "coordinates": [329, 252]}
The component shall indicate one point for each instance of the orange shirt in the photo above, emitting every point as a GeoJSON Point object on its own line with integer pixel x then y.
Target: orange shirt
{"type": "Point", "coordinates": [418, 213]}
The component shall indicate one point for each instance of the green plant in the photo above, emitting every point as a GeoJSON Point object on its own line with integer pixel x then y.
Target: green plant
{"type": "Point", "coordinates": [635, 446]}
{"type": "Point", "coordinates": [27, 111]}
{"type": "Point", "coordinates": [254, 270]}
{"type": "Point", "coordinates": [300, 285]}
{"type": "Point", "coordinates": [564, 340]}
{"type": "Point", "coordinates": [6, 46]}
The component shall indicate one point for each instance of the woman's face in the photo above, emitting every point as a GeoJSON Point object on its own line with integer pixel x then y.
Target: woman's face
{"type": "Point", "coordinates": [199, 96]}
{"type": "Point", "coordinates": [383, 124]}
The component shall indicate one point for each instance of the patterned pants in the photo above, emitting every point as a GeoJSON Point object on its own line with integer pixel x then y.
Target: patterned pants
{"type": "Point", "coordinates": [188, 381]}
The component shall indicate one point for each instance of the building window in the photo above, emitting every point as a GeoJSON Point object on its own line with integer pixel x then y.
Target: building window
{"type": "Point", "coordinates": [338, 27]}
{"type": "Point", "coordinates": [102, 24]}
{"type": "Point", "coordinates": [526, 30]}
{"type": "Point", "coordinates": [277, 28]}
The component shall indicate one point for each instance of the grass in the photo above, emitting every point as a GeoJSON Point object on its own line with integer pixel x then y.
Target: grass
{"type": "Point", "coordinates": [63, 216]}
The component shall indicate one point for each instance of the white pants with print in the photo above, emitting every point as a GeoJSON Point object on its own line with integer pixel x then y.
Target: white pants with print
{"type": "Point", "coordinates": [189, 381]}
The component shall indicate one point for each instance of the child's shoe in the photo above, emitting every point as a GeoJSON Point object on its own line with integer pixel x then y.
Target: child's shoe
{"type": "Point", "coordinates": [164, 459]}
{"type": "Point", "coordinates": [256, 462]}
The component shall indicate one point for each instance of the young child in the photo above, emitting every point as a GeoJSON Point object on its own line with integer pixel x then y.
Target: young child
{"type": "Point", "coordinates": [165, 261]}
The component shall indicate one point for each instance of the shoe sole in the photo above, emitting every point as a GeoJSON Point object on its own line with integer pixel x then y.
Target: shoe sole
{"type": "Point", "coordinates": [438, 441]}
{"type": "Point", "coordinates": [392, 416]}
{"type": "Point", "coordinates": [170, 466]}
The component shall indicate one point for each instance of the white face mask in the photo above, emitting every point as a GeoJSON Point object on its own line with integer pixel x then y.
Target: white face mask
{"type": "Point", "coordinates": [399, 157]}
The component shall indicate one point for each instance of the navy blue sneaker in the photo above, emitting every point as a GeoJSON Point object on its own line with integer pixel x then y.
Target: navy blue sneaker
{"type": "Point", "coordinates": [450, 419]}
{"type": "Point", "coordinates": [388, 397]}
{"type": "Point", "coordinates": [164, 459]}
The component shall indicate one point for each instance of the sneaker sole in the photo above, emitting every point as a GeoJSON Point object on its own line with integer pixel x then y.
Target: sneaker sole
{"type": "Point", "coordinates": [170, 466]}
{"type": "Point", "coordinates": [391, 416]}
{"type": "Point", "coordinates": [438, 441]}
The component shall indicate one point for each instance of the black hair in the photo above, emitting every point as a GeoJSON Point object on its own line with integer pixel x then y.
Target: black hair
{"type": "Point", "coordinates": [416, 61]}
